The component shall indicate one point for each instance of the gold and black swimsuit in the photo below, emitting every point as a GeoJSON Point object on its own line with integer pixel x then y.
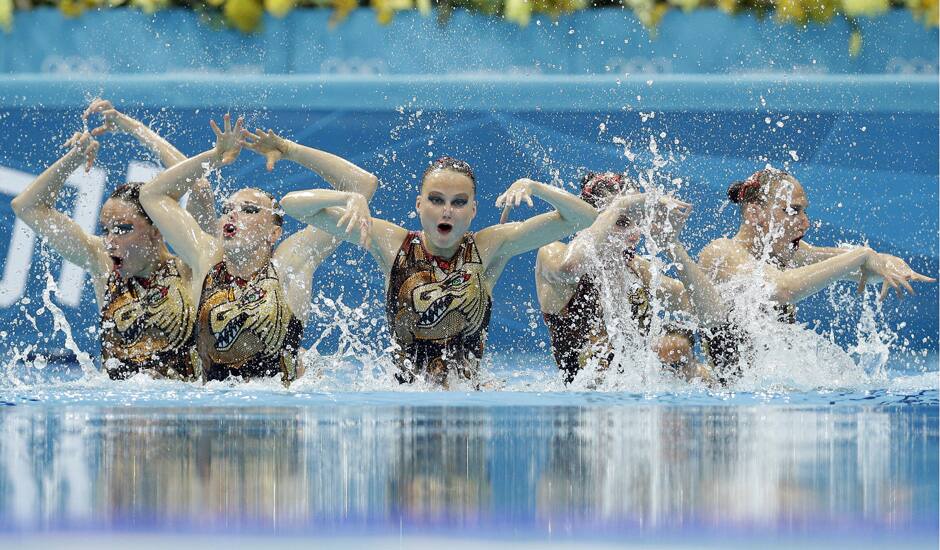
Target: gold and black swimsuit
{"type": "Point", "coordinates": [578, 332]}
{"type": "Point", "coordinates": [438, 310]}
{"type": "Point", "coordinates": [246, 327]}
{"type": "Point", "coordinates": [149, 324]}
{"type": "Point", "coordinates": [724, 343]}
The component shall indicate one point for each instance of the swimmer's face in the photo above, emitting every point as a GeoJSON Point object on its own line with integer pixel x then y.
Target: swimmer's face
{"type": "Point", "coordinates": [783, 215]}
{"type": "Point", "coordinates": [446, 207]}
{"type": "Point", "coordinates": [130, 240]}
{"type": "Point", "coordinates": [626, 233]}
{"type": "Point", "coordinates": [247, 222]}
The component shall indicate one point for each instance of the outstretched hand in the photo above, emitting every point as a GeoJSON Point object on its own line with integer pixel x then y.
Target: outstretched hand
{"type": "Point", "coordinates": [110, 116]}
{"type": "Point", "coordinates": [357, 214]}
{"type": "Point", "coordinates": [228, 141]}
{"type": "Point", "coordinates": [669, 217]}
{"type": "Point", "coordinates": [86, 144]}
{"type": "Point", "coordinates": [893, 272]}
{"type": "Point", "coordinates": [519, 191]}
{"type": "Point", "coordinates": [268, 144]}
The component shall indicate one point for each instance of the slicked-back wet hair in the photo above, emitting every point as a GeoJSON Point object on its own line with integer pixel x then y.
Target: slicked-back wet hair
{"type": "Point", "coordinates": [755, 188]}
{"type": "Point", "coordinates": [130, 193]}
{"type": "Point", "coordinates": [597, 188]}
{"type": "Point", "coordinates": [451, 163]}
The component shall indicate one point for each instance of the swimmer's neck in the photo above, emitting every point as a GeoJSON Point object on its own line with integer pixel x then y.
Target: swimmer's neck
{"type": "Point", "coordinates": [781, 253]}
{"type": "Point", "coordinates": [245, 266]}
{"type": "Point", "coordinates": [443, 253]}
{"type": "Point", "coordinates": [162, 256]}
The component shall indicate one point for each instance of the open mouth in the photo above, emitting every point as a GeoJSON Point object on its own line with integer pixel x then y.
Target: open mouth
{"type": "Point", "coordinates": [228, 230]}
{"type": "Point", "coordinates": [436, 312]}
{"type": "Point", "coordinates": [233, 329]}
{"type": "Point", "coordinates": [117, 261]}
{"type": "Point", "coordinates": [444, 228]}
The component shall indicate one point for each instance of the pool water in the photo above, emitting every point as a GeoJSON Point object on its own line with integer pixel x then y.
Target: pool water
{"type": "Point", "coordinates": [149, 463]}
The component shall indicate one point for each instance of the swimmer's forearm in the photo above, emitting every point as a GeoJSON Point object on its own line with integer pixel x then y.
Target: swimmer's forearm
{"type": "Point", "coordinates": [706, 302]}
{"type": "Point", "coordinates": [169, 155]}
{"type": "Point", "coordinates": [305, 205]}
{"type": "Point", "coordinates": [201, 205]}
{"type": "Point", "coordinates": [36, 207]}
{"type": "Point", "coordinates": [45, 189]}
{"type": "Point", "coordinates": [571, 208]}
{"type": "Point", "coordinates": [810, 254]}
{"type": "Point", "coordinates": [338, 172]}
{"type": "Point", "coordinates": [797, 284]}
{"type": "Point", "coordinates": [595, 236]}
{"type": "Point", "coordinates": [180, 178]}
{"type": "Point", "coordinates": [629, 205]}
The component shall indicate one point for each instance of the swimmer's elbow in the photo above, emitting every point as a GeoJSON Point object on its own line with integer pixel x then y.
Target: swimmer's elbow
{"type": "Point", "coordinates": [369, 187]}
{"type": "Point", "coordinates": [149, 196]}
{"type": "Point", "coordinates": [293, 204]}
{"type": "Point", "coordinates": [19, 206]}
{"type": "Point", "coordinates": [576, 221]}
{"type": "Point", "coordinates": [785, 292]}
{"type": "Point", "coordinates": [29, 211]}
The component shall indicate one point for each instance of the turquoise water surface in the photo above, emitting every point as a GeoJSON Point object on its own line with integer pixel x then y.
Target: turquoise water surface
{"type": "Point", "coordinates": [157, 463]}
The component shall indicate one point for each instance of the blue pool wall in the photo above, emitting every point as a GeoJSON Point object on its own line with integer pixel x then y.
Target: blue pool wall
{"type": "Point", "coordinates": [727, 96]}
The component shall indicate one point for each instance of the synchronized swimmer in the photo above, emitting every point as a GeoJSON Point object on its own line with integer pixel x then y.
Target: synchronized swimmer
{"type": "Point", "coordinates": [235, 300]}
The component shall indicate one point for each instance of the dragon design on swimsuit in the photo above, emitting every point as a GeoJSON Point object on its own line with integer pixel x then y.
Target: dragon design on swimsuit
{"type": "Point", "coordinates": [640, 306]}
{"type": "Point", "coordinates": [250, 318]}
{"type": "Point", "coordinates": [140, 321]}
{"type": "Point", "coordinates": [443, 309]}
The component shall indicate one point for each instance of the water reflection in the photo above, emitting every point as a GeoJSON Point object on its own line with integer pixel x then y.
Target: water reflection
{"type": "Point", "coordinates": [637, 469]}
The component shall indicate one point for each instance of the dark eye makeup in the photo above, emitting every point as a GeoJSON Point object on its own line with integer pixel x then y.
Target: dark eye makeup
{"type": "Point", "coordinates": [117, 228]}
{"type": "Point", "coordinates": [246, 208]}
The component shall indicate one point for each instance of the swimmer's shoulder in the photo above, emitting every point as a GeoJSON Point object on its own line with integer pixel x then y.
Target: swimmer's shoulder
{"type": "Point", "coordinates": [720, 253]}
{"type": "Point", "coordinates": [553, 248]}
{"type": "Point", "coordinates": [550, 257]}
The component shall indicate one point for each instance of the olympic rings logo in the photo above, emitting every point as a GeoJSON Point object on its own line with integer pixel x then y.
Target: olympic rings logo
{"type": "Point", "coordinates": [917, 65]}
{"type": "Point", "coordinates": [353, 65]}
{"type": "Point", "coordinates": [57, 64]}
{"type": "Point", "coordinates": [639, 65]}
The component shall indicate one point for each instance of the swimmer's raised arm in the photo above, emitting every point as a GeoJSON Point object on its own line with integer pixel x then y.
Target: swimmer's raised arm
{"type": "Point", "coordinates": [201, 203]}
{"type": "Point", "coordinates": [160, 198]}
{"type": "Point", "coordinates": [341, 213]}
{"type": "Point", "coordinates": [499, 243]}
{"type": "Point", "coordinates": [696, 291]}
{"type": "Point", "coordinates": [35, 205]}
{"type": "Point", "coordinates": [300, 254]}
{"type": "Point", "coordinates": [116, 121]}
{"type": "Point", "coordinates": [726, 260]}
{"type": "Point", "coordinates": [341, 174]}
{"type": "Point", "coordinates": [297, 258]}
{"type": "Point", "coordinates": [809, 254]}
{"type": "Point", "coordinates": [568, 263]}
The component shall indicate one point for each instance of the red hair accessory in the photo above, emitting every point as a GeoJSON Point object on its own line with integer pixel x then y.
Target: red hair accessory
{"type": "Point", "coordinates": [752, 182]}
{"type": "Point", "coordinates": [609, 180]}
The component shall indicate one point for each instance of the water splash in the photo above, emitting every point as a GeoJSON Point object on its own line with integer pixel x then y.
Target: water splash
{"type": "Point", "coordinates": [61, 324]}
